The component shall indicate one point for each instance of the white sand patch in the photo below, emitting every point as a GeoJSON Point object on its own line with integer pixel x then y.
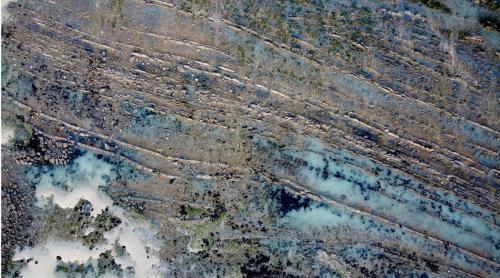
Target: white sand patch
{"type": "Point", "coordinates": [137, 239]}
{"type": "Point", "coordinates": [46, 254]}
{"type": "Point", "coordinates": [7, 134]}
{"type": "Point", "coordinates": [4, 13]}
{"type": "Point", "coordinates": [65, 185]}
{"type": "Point", "coordinates": [68, 184]}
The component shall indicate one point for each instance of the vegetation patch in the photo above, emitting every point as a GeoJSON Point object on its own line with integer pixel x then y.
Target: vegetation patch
{"type": "Point", "coordinates": [489, 20]}
{"type": "Point", "coordinates": [435, 5]}
{"type": "Point", "coordinates": [105, 264]}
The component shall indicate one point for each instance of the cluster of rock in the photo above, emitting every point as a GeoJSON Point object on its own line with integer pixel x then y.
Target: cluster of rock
{"type": "Point", "coordinates": [41, 149]}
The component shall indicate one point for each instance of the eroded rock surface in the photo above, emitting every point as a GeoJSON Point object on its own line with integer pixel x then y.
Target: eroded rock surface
{"type": "Point", "coordinates": [251, 138]}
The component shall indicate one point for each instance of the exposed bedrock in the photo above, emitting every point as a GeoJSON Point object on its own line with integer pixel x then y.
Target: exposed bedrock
{"type": "Point", "coordinates": [361, 136]}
